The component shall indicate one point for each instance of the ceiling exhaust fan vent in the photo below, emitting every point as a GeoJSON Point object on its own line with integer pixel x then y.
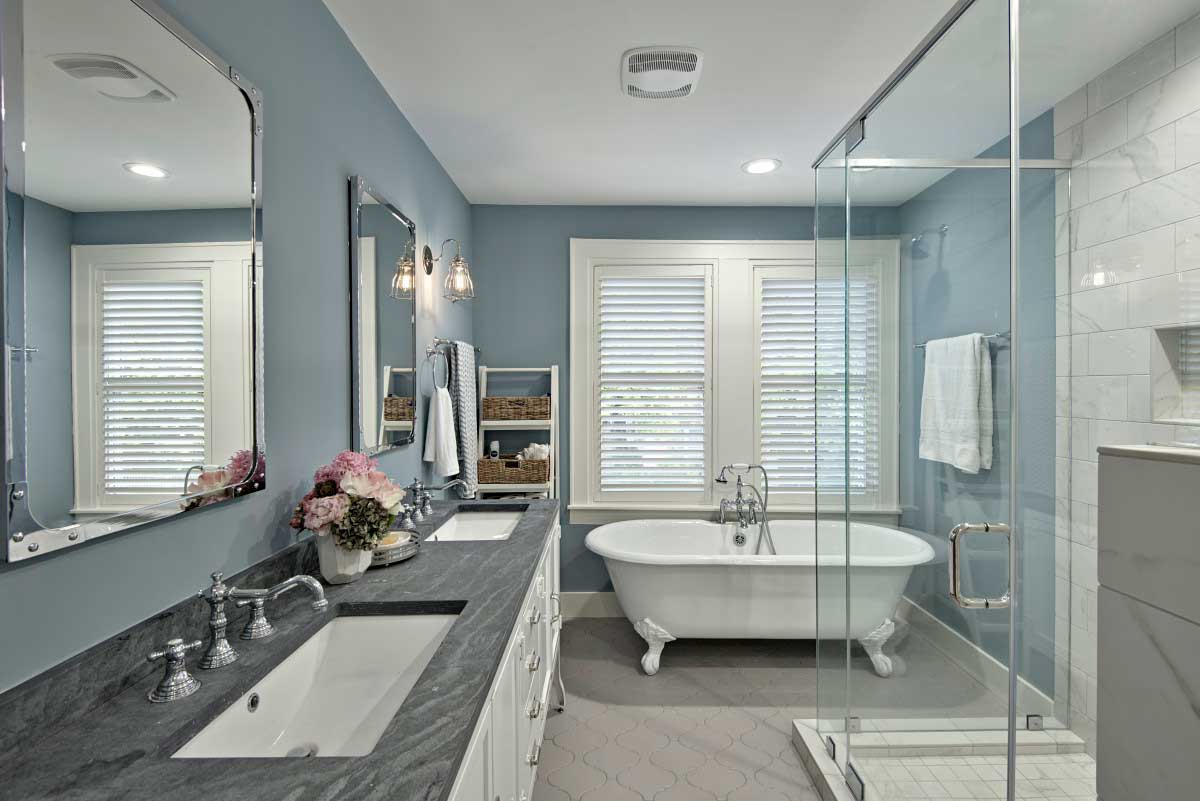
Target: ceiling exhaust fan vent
{"type": "Point", "coordinates": [113, 77]}
{"type": "Point", "coordinates": [660, 73]}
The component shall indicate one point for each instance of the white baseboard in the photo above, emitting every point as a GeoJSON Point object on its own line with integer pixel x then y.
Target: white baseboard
{"type": "Point", "coordinates": [979, 664]}
{"type": "Point", "coordinates": [590, 604]}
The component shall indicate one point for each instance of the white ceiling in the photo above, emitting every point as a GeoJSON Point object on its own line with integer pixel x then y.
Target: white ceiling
{"type": "Point", "coordinates": [521, 102]}
{"type": "Point", "coordinates": [78, 140]}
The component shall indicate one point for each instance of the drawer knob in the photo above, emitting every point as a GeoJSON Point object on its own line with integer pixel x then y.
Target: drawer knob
{"type": "Point", "coordinates": [533, 663]}
{"type": "Point", "coordinates": [535, 616]}
{"type": "Point", "coordinates": [535, 755]}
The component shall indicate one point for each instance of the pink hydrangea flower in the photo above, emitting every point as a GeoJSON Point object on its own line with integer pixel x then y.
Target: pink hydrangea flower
{"type": "Point", "coordinates": [319, 513]}
{"type": "Point", "coordinates": [241, 463]}
{"type": "Point", "coordinates": [346, 462]}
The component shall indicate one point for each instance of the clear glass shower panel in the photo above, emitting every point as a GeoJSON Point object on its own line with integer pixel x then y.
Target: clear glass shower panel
{"type": "Point", "coordinates": [829, 434]}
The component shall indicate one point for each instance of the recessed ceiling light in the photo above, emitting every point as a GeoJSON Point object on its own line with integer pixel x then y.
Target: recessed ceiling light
{"type": "Point", "coordinates": [761, 166]}
{"type": "Point", "coordinates": [145, 170]}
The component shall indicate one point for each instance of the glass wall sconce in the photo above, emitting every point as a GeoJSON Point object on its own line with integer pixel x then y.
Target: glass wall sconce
{"type": "Point", "coordinates": [459, 285]}
{"type": "Point", "coordinates": [405, 279]}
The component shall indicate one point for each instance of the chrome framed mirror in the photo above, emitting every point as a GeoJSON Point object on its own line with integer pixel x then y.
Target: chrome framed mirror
{"type": "Point", "coordinates": [383, 322]}
{"type": "Point", "coordinates": [132, 273]}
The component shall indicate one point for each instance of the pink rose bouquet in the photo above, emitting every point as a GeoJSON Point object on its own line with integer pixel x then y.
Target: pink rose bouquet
{"type": "Point", "coordinates": [351, 501]}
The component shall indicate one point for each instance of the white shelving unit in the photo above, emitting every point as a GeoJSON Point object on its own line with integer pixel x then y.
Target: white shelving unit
{"type": "Point", "coordinates": [385, 382]}
{"type": "Point", "coordinates": [550, 488]}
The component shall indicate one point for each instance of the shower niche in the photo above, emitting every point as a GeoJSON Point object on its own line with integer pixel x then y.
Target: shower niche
{"type": "Point", "coordinates": [1175, 374]}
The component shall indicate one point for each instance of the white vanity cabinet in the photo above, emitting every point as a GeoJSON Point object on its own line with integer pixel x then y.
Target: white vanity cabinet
{"type": "Point", "coordinates": [501, 761]}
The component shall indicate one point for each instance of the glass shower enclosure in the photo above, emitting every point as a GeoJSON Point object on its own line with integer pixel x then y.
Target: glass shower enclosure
{"type": "Point", "coordinates": [939, 202]}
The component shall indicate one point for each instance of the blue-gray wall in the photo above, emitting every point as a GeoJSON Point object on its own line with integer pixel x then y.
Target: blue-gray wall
{"type": "Point", "coordinates": [958, 284]}
{"type": "Point", "coordinates": [49, 456]}
{"type": "Point", "coordinates": [521, 272]}
{"type": "Point", "coordinates": [326, 117]}
{"type": "Point", "coordinates": [161, 227]}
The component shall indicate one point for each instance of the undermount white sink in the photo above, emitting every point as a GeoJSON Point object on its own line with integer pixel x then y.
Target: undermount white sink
{"type": "Point", "coordinates": [477, 526]}
{"type": "Point", "coordinates": [333, 696]}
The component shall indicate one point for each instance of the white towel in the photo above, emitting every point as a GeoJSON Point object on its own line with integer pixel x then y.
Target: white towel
{"type": "Point", "coordinates": [441, 444]}
{"type": "Point", "coordinates": [956, 403]}
{"type": "Point", "coordinates": [462, 388]}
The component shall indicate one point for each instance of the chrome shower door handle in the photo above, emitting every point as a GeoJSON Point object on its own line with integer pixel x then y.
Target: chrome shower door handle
{"type": "Point", "coordinates": [957, 535]}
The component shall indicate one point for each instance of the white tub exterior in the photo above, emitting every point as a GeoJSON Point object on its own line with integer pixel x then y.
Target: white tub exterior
{"type": "Point", "coordinates": [689, 579]}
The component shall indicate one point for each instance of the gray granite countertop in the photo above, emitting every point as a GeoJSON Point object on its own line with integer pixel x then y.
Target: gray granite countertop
{"type": "Point", "coordinates": [122, 749]}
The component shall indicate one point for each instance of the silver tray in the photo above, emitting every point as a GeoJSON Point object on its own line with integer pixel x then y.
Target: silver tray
{"type": "Point", "coordinates": [399, 553]}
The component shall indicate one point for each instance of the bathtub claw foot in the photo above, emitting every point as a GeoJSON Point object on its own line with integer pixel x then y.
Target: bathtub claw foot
{"type": "Point", "coordinates": [656, 638]}
{"type": "Point", "coordinates": [873, 644]}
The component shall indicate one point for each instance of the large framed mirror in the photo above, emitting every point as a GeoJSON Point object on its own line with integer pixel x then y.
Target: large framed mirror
{"type": "Point", "coordinates": [383, 320]}
{"type": "Point", "coordinates": [132, 273]}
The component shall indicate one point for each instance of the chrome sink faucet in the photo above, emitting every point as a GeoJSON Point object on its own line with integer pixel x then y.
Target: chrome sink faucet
{"type": "Point", "coordinates": [458, 482]}
{"type": "Point", "coordinates": [258, 626]}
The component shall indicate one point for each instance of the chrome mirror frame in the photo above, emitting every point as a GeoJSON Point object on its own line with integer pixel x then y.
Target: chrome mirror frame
{"type": "Point", "coordinates": [23, 535]}
{"type": "Point", "coordinates": [359, 188]}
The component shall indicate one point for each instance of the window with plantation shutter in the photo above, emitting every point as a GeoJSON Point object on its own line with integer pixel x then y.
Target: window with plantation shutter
{"type": "Point", "coordinates": [818, 399]}
{"type": "Point", "coordinates": [689, 355]}
{"type": "Point", "coordinates": [152, 387]}
{"type": "Point", "coordinates": [652, 361]}
{"type": "Point", "coordinates": [162, 360]}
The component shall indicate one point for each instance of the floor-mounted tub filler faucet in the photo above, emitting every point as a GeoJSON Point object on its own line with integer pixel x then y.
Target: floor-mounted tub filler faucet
{"type": "Point", "coordinates": [748, 509]}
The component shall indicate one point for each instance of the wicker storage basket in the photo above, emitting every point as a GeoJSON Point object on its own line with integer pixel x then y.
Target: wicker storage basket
{"type": "Point", "coordinates": [510, 470]}
{"type": "Point", "coordinates": [397, 408]}
{"type": "Point", "coordinates": [500, 407]}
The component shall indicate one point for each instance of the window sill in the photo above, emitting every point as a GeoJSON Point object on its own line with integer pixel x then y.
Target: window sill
{"type": "Point", "coordinates": [592, 514]}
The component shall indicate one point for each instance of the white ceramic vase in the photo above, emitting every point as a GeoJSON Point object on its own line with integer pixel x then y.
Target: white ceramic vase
{"type": "Point", "coordinates": [339, 565]}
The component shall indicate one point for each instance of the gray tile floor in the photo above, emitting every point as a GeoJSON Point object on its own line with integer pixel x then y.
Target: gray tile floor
{"type": "Point", "coordinates": [714, 723]}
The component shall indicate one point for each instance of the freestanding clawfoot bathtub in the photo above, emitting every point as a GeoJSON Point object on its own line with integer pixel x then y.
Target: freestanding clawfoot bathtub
{"type": "Point", "coordinates": [688, 578]}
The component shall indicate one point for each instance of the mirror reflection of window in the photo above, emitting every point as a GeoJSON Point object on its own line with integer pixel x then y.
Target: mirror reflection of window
{"type": "Point", "coordinates": [138, 269]}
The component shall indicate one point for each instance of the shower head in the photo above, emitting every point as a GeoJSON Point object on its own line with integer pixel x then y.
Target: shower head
{"type": "Point", "coordinates": [942, 230]}
{"type": "Point", "coordinates": [736, 468]}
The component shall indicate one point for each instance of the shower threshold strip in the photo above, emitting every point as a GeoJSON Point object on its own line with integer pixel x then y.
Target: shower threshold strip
{"type": "Point", "coordinates": [937, 737]}
{"type": "Point", "coordinates": [947, 777]}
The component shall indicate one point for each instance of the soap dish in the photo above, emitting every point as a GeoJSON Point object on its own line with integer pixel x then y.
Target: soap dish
{"type": "Point", "coordinates": [395, 547]}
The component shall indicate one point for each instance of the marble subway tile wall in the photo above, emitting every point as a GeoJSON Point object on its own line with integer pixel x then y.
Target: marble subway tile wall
{"type": "Point", "coordinates": [1128, 273]}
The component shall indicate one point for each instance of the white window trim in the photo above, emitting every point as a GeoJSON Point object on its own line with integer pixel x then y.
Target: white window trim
{"type": "Point", "coordinates": [732, 403]}
{"type": "Point", "coordinates": [231, 420]}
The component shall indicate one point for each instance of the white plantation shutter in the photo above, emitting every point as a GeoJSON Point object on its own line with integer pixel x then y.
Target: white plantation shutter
{"type": "Point", "coordinates": [804, 395]}
{"type": "Point", "coordinates": [652, 374]}
{"type": "Point", "coordinates": [151, 384]}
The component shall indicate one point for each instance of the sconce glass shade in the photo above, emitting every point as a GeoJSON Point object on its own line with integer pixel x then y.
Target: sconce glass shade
{"type": "Point", "coordinates": [405, 279]}
{"type": "Point", "coordinates": [459, 285]}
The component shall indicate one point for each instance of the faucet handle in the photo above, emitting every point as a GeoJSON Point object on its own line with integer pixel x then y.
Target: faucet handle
{"type": "Point", "coordinates": [218, 591]}
{"type": "Point", "coordinates": [174, 650]}
{"type": "Point", "coordinates": [176, 682]}
{"type": "Point", "coordinates": [257, 626]}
